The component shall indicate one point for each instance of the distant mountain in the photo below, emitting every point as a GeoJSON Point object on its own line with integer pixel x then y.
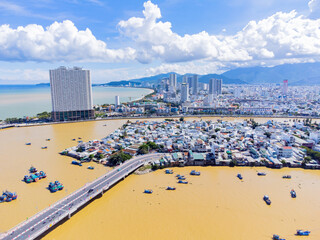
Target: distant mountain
{"type": "Point", "coordinates": [155, 78]}
{"type": "Point", "coordinates": [297, 74]}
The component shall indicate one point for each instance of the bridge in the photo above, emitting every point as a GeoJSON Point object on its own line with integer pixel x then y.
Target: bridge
{"type": "Point", "coordinates": [63, 209]}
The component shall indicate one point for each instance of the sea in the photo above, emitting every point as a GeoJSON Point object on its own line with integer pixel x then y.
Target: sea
{"type": "Point", "coordinates": [28, 100]}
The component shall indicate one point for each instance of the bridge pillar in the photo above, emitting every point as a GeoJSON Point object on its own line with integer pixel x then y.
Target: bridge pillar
{"type": "Point", "coordinates": [69, 215]}
{"type": "Point", "coordinates": [101, 192]}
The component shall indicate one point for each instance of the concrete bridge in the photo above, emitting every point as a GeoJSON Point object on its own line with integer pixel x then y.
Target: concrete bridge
{"type": "Point", "coordinates": [63, 209]}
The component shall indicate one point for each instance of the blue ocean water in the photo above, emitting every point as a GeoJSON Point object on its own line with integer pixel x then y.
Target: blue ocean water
{"type": "Point", "coordinates": [28, 100]}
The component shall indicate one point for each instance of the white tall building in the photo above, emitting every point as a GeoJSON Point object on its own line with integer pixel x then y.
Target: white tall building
{"type": "Point", "coordinates": [117, 101]}
{"type": "Point", "coordinates": [173, 80]}
{"type": "Point", "coordinates": [184, 92]}
{"type": "Point", "coordinates": [217, 86]}
{"type": "Point", "coordinates": [194, 85]}
{"type": "Point", "coordinates": [71, 94]}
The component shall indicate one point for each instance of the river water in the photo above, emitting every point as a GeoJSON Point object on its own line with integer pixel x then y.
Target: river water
{"type": "Point", "coordinates": [215, 205]}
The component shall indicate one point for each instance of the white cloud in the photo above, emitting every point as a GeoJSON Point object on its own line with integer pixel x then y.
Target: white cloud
{"type": "Point", "coordinates": [280, 36]}
{"type": "Point", "coordinates": [61, 41]}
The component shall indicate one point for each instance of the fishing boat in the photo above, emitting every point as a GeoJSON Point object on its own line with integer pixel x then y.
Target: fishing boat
{"type": "Point", "coordinates": [293, 193]}
{"type": "Point", "coordinates": [287, 176]}
{"type": "Point", "coordinates": [32, 169]}
{"type": "Point", "coordinates": [194, 173]}
{"type": "Point", "coordinates": [27, 179]}
{"type": "Point", "coordinates": [48, 139]}
{"type": "Point", "coordinates": [79, 138]}
{"type": "Point", "coordinates": [266, 199]}
{"type": "Point", "coordinates": [91, 167]}
{"type": "Point", "coordinates": [76, 163]}
{"type": "Point", "coordinates": [34, 177]}
{"type": "Point", "coordinates": [169, 171]}
{"type": "Point", "coordinates": [28, 144]}
{"type": "Point", "coordinates": [73, 139]}
{"type": "Point", "coordinates": [183, 182]}
{"type": "Point", "coordinates": [303, 233]}
{"type": "Point", "coordinates": [277, 237]}
{"type": "Point", "coordinates": [58, 185]}
{"type": "Point", "coordinates": [178, 175]}
{"type": "Point", "coordinates": [262, 174]}
{"type": "Point", "coordinates": [149, 191]}
{"type": "Point", "coordinates": [181, 178]}
{"type": "Point", "coordinates": [52, 187]}
{"type": "Point", "coordinates": [171, 188]}
{"type": "Point", "coordinates": [8, 196]}
{"type": "Point", "coordinates": [239, 176]}
{"type": "Point", "coordinates": [45, 147]}
{"type": "Point", "coordinates": [42, 174]}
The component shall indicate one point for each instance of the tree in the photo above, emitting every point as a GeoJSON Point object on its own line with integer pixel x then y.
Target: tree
{"type": "Point", "coordinates": [143, 149]}
{"type": "Point", "coordinates": [217, 129]}
{"type": "Point", "coordinates": [119, 158]}
{"type": "Point", "coordinates": [182, 119]}
{"type": "Point", "coordinates": [268, 134]}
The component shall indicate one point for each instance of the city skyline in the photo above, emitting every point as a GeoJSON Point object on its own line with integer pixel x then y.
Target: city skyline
{"type": "Point", "coordinates": [118, 45]}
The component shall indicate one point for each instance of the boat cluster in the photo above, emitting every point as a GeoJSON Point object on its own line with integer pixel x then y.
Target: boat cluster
{"type": "Point", "coordinates": [298, 233]}
{"type": "Point", "coordinates": [181, 179]}
{"type": "Point", "coordinates": [55, 186]}
{"type": "Point", "coordinates": [35, 176]}
{"type": "Point", "coordinates": [8, 196]}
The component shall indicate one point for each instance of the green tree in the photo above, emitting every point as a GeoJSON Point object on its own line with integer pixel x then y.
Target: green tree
{"type": "Point", "coordinates": [268, 134]}
{"type": "Point", "coordinates": [119, 158]}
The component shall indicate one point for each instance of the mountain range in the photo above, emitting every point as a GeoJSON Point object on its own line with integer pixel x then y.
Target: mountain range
{"type": "Point", "coordinates": [297, 74]}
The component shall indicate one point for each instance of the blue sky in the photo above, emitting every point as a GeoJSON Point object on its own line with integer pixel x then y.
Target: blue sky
{"type": "Point", "coordinates": [121, 39]}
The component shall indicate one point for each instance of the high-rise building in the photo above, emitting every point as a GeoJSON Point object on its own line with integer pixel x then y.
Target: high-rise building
{"type": "Point", "coordinates": [194, 84]}
{"type": "Point", "coordinates": [216, 86]}
{"type": "Point", "coordinates": [285, 87]}
{"type": "Point", "coordinates": [71, 94]}
{"type": "Point", "coordinates": [173, 80]}
{"type": "Point", "coordinates": [117, 101]}
{"type": "Point", "coordinates": [185, 79]}
{"type": "Point", "coordinates": [184, 92]}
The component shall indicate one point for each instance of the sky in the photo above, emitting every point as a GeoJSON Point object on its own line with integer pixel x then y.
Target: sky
{"type": "Point", "coordinates": [127, 39]}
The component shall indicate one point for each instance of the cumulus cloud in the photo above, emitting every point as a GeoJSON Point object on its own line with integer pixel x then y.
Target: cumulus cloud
{"type": "Point", "coordinates": [61, 41]}
{"type": "Point", "coordinates": [280, 36]}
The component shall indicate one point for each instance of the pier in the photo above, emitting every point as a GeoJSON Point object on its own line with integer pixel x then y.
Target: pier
{"type": "Point", "coordinates": [50, 217]}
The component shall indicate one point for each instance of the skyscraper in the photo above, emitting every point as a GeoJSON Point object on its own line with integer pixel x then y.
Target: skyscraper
{"type": "Point", "coordinates": [211, 83]}
{"type": "Point", "coordinates": [185, 79]}
{"type": "Point", "coordinates": [194, 84]}
{"type": "Point", "coordinates": [285, 87]}
{"type": "Point", "coordinates": [217, 86]}
{"type": "Point", "coordinates": [184, 92]}
{"type": "Point", "coordinates": [173, 80]}
{"type": "Point", "coordinates": [117, 101]}
{"type": "Point", "coordinates": [71, 94]}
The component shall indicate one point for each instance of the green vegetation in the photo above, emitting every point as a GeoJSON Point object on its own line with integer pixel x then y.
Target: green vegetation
{"type": "Point", "coordinates": [44, 115]}
{"type": "Point", "coordinates": [169, 120]}
{"type": "Point", "coordinates": [119, 157]}
{"type": "Point", "coordinates": [181, 119]}
{"type": "Point", "coordinates": [146, 147]}
{"type": "Point", "coordinates": [268, 134]}
{"type": "Point", "coordinates": [312, 154]}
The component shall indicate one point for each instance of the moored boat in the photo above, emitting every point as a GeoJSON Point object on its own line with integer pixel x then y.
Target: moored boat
{"type": "Point", "coordinates": [178, 175]}
{"type": "Point", "coordinates": [277, 237]}
{"type": "Point", "coordinates": [76, 163]}
{"type": "Point", "coordinates": [239, 176]}
{"type": "Point", "coordinates": [287, 176]}
{"type": "Point", "coordinates": [28, 144]}
{"type": "Point", "coordinates": [27, 179]}
{"type": "Point", "coordinates": [267, 199]}
{"type": "Point", "coordinates": [48, 139]}
{"type": "Point", "coordinates": [42, 174]}
{"type": "Point", "coordinates": [183, 182]}
{"type": "Point", "coordinates": [52, 187]}
{"type": "Point", "coordinates": [91, 167]}
{"type": "Point", "coordinates": [45, 147]}
{"type": "Point", "coordinates": [8, 196]}
{"type": "Point", "coordinates": [58, 185]}
{"type": "Point", "coordinates": [34, 177]}
{"type": "Point", "coordinates": [171, 188]}
{"type": "Point", "coordinates": [303, 233]}
{"type": "Point", "coordinates": [149, 191]}
{"type": "Point", "coordinates": [169, 171]}
{"type": "Point", "coordinates": [32, 169]}
{"type": "Point", "coordinates": [194, 173]}
{"type": "Point", "coordinates": [293, 193]}
{"type": "Point", "coordinates": [181, 178]}
{"type": "Point", "coordinates": [262, 174]}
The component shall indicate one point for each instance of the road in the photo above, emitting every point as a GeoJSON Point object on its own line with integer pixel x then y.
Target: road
{"type": "Point", "coordinates": [51, 216]}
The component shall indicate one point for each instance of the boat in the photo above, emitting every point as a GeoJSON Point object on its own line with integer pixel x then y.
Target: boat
{"type": "Point", "coordinates": [181, 178]}
{"type": "Point", "coordinates": [91, 167]}
{"type": "Point", "coordinates": [28, 144]}
{"type": "Point", "coordinates": [194, 173]}
{"type": "Point", "coordinates": [45, 147]}
{"type": "Point", "coordinates": [27, 179]}
{"type": "Point", "coordinates": [277, 237]}
{"type": "Point", "coordinates": [76, 163]}
{"type": "Point", "coordinates": [73, 139]}
{"type": "Point", "coordinates": [287, 176]}
{"type": "Point", "coordinates": [239, 176]}
{"type": "Point", "coordinates": [183, 182]}
{"type": "Point", "coordinates": [266, 199]}
{"type": "Point", "coordinates": [293, 193]}
{"type": "Point", "coordinates": [171, 188]}
{"type": "Point", "coordinates": [48, 139]}
{"type": "Point", "coordinates": [169, 171]}
{"type": "Point", "coordinates": [178, 175]}
{"type": "Point", "coordinates": [58, 185]}
{"type": "Point", "coordinates": [34, 177]}
{"type": "Point", "coordinates": [52, 187]}
{"type": "Point", "coordinates": [262, 174]}
{"type": "Point", "coordinates": [8, 196]}
{"type": "Point", "coordinates": [42, 174]}
{"type": "Point", "coordinates": [303, 233]}
{"type": "Point", "coordinates": [32, 169]}
{"type": "Point", "coordinates": [149, 191]}
{"type": "Point", "coordinates": [79, 138]}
